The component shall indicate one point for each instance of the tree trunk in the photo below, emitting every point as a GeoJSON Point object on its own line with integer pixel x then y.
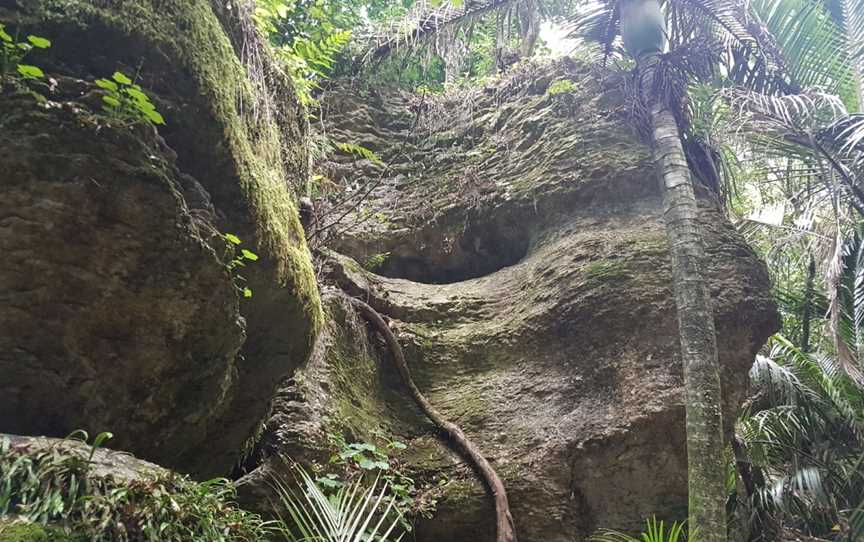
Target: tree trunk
{"type": "Point", "coordinates": [705, 457]}
{"type": "Point", "coordinates": [529, 27]}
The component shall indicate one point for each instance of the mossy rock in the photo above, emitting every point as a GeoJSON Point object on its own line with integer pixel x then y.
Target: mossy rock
{"type": "Point", "coordinates": [230, 158]}
{"type": "Point", "coordinates": [532, 296]}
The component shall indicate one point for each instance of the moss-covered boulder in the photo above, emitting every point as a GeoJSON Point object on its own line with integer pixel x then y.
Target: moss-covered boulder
{"type": "Point", "coordinates": [120, 311]}
{"type": "Point", "coordinates": [519, 254]}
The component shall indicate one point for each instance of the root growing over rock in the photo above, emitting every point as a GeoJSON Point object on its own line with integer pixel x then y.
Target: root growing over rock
{"type": "Point", "coordinates": [504, 520]}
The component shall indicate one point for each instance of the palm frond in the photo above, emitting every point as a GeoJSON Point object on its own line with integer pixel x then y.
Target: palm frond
{"type": "Point", "coordinates": [424, 20]}
{"type": "Point", "coordinates": [596, 22]}
{"type": "Point", "coordinates": [355, 513]}
{"type": "Point", "coordinates": [655, 531]}
{"type": "Point", "coordinates": [813, 46]}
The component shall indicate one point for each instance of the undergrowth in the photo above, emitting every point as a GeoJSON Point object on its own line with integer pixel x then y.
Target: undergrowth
{"type": "Point", "coordinates": [52, 486]}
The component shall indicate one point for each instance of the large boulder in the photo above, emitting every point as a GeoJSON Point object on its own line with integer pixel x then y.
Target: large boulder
{"type": "Point", "coordinates": [120, 312]}
{"type": "Point", "coordinates": [519, 254]}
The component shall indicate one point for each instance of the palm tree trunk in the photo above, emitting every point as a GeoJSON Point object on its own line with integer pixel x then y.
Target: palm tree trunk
{"type": "Point", "coordinates": [705, 457]}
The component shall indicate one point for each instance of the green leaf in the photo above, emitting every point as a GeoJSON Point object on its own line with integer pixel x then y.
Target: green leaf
{"type": "Point", "coordinates": [329, 483]}
{"type": "Point", "coordinates": [30, 72]}
{"type": "Point", "coordinates": [121, 78]}
{"type": "Point", "coordinates": [349, 454]}
{"type": "Point", "coordinates": [106, 84]}
{"type": "Point", "coordinates": [154, 117]}
{"type": "Point", "coordinates": [249, 255]}
{"type": "Point", "coordinates": [111, 101]}
{"type": "Point", "coordinates": [137, 95]}
{"type": "Point", "coordinates": [102, 437]}
{"type": "Point", "coordinates": [398, 445]}
{"type": "Point", "coordinates": [231, 238]}
{"type": "Point", "coordinates": [39, 42]}
{"type": "Point", "coordinates": [247, 292]}
{"type": "Point", "coordinates": [4, 35]}
{"type": "Point", "coordinates": [362, 446]}
{"type": "Point", "coordinates": [367, 464]}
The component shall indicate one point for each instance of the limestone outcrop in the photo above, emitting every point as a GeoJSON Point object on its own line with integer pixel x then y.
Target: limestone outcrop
{"type": "Point", "coordinates": [513, 238]}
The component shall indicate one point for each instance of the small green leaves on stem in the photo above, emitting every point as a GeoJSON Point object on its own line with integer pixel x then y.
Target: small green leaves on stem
{"type": "Point", "coordinates": [367, 460]}
{"type": "Point", "coordinates": [124, 99]}
{"type": "Point", "coordinates": [375, 261]}
{"type": "Point", "coordinates": [12, 53]}
{"type": "Point", "coordinates": [238, 260]}
{"type": "Point", "coordinates": [39, 42]}
{"type": "Point", "coordinates": [308, 62]}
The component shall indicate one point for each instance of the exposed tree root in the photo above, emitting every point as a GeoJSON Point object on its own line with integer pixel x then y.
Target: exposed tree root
{"type": "Point", "coordinates": [504, 520]}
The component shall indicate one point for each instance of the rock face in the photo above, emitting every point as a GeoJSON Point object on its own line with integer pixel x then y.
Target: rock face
{"type": "Point", "coordinates": [102, 462]}
{"type": "Point", "coordinates": [119, 310]}
{"type": "Point", "coordinates": [520, 256]}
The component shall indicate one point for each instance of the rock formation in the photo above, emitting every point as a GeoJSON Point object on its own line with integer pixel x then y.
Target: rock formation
{"type": "Point", "coordinates": [119, 311]}
{"type": "Point", "coordinates": [511, 235]}
{"type": "Point", "coordinates": [518, 251]}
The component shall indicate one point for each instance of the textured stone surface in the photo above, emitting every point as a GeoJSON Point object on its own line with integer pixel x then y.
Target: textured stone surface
{"type": "Point", "coordinates": [118, 311]}
{"type": "Point", "coordinates": [103, 463]}
{"type": "Point", "coordinates": [528, 279]}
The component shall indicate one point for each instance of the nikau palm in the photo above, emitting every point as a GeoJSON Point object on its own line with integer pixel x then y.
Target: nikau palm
{"type": "Point", "coordinates": [643, 31]}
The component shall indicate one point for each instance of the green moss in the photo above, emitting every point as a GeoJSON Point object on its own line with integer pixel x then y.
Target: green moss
{"type": "Point", "coordinates": [353, 266]}
{"type": "Point", "coordinates": [359, 408]}
{"type": "Point", "coordinates": [605, 271]}
{"type": "Point", "coordinates": [459, 490]}
{"type": "Point", "coordinates": [31, 532]}
{"type": "Point", "coordinates": [189, 30]}
{"type": "Point", "coordinates": [656, 245]}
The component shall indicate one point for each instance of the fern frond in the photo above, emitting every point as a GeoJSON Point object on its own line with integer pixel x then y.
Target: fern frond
{"type": "Point", "coordinates": [359, 150]}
